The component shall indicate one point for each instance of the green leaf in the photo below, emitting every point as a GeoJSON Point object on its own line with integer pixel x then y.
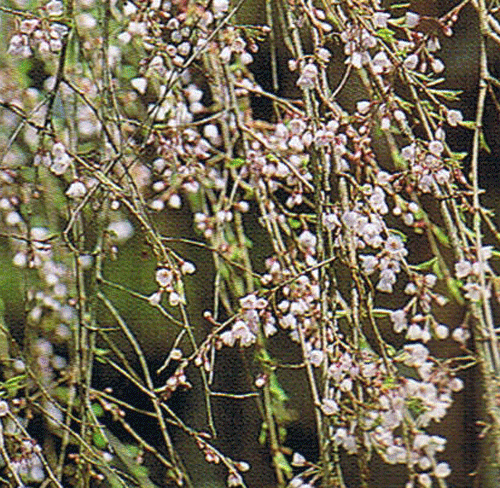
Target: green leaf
{"type": "Point", "coordinates": [458, 156]}
{"type": "Point", "coordinates": [448, 95]}
{"type": "Point", "coordinates": [483, 144]}
{"type": "Point", "coordinates": [263, 434]}
{"type": "Point", "coordinates": [380, 313]}
{"type": "Point", "coordinates": [440, 235]}
{"type": "Point", "coordinates": [453, 286]}
{"type": "Point", "coordinates": [99, 440]}
{"type": "Point", "coordinates": [400, 5]}
{"type": "Point", "coordinates": [97, 409]}
{"type": "Point", "coordinates": [282, 464]}
{"type": "Point", "coordinates": [294, 223]}
{"type": "Point", "coordinates": [386, 35]}
{"type": "Point", "coordinates": [128, 72]}
{"type": "Point", "coordinates": [425, 265]}
{"type": "Point", "coordinates": [14, 384]}
{"type": "Point", "coordinates": [276, 389]}
{"type": "Point", "coordinates": [468, 124]}
{"type": "Point", "coordinates": [436, 269]}
{"type": "Point", "coordinates": [236, 163]}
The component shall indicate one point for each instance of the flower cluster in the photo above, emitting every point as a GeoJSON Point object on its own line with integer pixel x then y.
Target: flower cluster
{"type": "Point", "coordinates": [40, 34]}
{"type": "Point", "coordinates": [337, 190]}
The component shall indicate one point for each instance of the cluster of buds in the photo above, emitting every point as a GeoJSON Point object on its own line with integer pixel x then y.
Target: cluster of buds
{"type": "Point", "coordinates": [40, 34]}
{"type": "Point", "coordinates": [176, 381]}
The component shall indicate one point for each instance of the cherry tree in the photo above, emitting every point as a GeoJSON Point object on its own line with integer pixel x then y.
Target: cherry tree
{"type": "Point", "coordinates": [124, 120]}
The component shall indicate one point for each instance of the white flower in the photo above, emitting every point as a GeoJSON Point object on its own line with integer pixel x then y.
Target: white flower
{"type": "Point", "coordinates": [442, 470]}
{"type": "Point", "coordinates": [121, 230]}
{"type": "Point", "coordinates": [395, 454]}
{"type": "Point", "coordinates": [400, 116]}
{"type": "Point", "coordinates": [137, 28]}
{"type": "Point", "coordinates": [129, 9]}
{"type": "Point", "coordinates": [380, 20]}
{"type": "Point", "coordinates": [371, 234]}
{"type": "Point", "coordinates": [475, 293]}
{"type": "Point", "coordinates": [307, 242]}
{"type": "Point", "coordinates": [346, 440]}
{"type": "Point", "coordinates": [269, 329]}
{"type": "Point", "coordinates": [418, 355]}
{"type": "Point", "coordinates": [331, 221]}
{"type": "Point", "coordinates": [414, 332]}
{"type": "Point", "coordinates": [346, 385]}
{"type": "Point", "coordinates": [316, 357]}
{"type": "Point", "coordinates": [4, 408]}
{"type": "Point", "coordinates": [437, 66]}
{"type": "Point", "coordinates": [19, 46]}
{"type": "Point", "coordinates": [387, 279]}
{"type": "Point", "coordinates": [395, 247]}
{"type": "Point", "coordinates": [324, 54]}
{"type": "Point", "coordinates": [295, 144]}
{"type": "Point", "coordinates": [175, 201]}
{"type": "Point", "coordinates": [140, 84]}
{"type": "Point", "coordinates": [234, 479]}
{"type": "Point", "coordinates": [251, 302]}
{"type": "Point", "coordinates": [377, 200]}
{"type": "Point", "coordinates": [398, 318]}
{"type": "Point", "coordinates": [381, 63]}
{"type": "Point", "coordinates": [76, 190]}
{"type": "Point", "coordinates": [225, 54]}
{"type": "Point", "coordinates": [241, 331]}
{"type": "Point", "coordinates": [456, 384]}
{"type": "Point", "coordinates": [430, 280]}
{"type": "Point", "coordinates": [411, 62]}
{"type": "Point", "coordinates": [220, 7]}
{"type": "Point", "coordinates": [424, 480]}
{"type": "Point", "coordinates": [442, 331]}
{"type": "Point", "coordinates": [54, 8]}
{"type": "Point", "coordinates": [20, 260]}
{"type": "Point", "coordinates": [308, 76]}
{"type": "Point", "coordinates": [164, 277]}
{"type": "Point", "coordinates": [461, 335]}
{"type": "Point", "coordinates": [436, 148]}
{"type": "Point", "coordinates": [329, 406]}
{"type": "Point", "coordinates": [188, 267]}
{"type": "Point", "coordinates": [454, 117]}
{"type": "Point", "coordinates": [412, 19]}
{"type": "Point", "coordinates": [13, 218]}
{"type": "Point", "coordinates": [298, 460]}
{"type": "Point", "coordinates": [174, 299]}
{"type": "Point", "coordinates": [60, 159]}
{"type": "Point", "coordinates": [363, 107]}
{"type": "Point", "coordinates": [368, 263]}
{"type": "Point", "coordinates": [409, 153]}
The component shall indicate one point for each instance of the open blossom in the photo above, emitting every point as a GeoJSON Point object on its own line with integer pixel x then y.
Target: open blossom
{"type": "Point", "coordinates": [76, 190]}
{"type": "Point", "coordinates": [454, 117]}
{"type": "Point", "coordinates": [308, 76]}
{"type": "Point", "coordinates": [475, 293]}
{"type": "Point", "coordinates": [380, 19]}
{"type": "Point", "coordinates": [463, 268]}
{"type": "Point", "coordinates": [369, 263]}
{"type": "Point", "coordinates": [442, 470]}
{"type": "Point", "coordinates": [460, 334]}
{"type": "Point", "coordinates": [417, 354]}
{"type": "Point", "coordinates": [436, 148]}
{"type": "Point", "coordinates": [220, 7]}
{"type": "Point", "coordinates": [398, 318]}
{"type": "Point", "coordinates": [307, 242]}
{"type": "Point", "coordinates": [386, 281]}
{"type": "Point", "coordinates": [395, 247]}
{"type": "Point", "coordinates": [329, 406]}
